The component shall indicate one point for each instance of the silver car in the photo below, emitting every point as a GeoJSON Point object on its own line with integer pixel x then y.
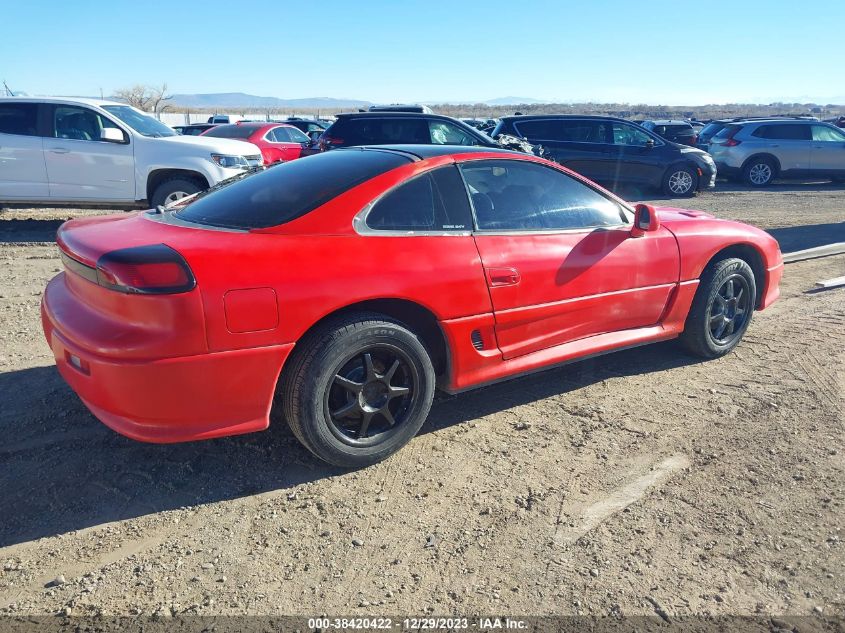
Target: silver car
{"type": "Point", "coordinates": [760, 151]}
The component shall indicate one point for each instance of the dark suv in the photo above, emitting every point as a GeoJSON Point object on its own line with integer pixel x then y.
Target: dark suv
{"type": "Point", "coordinates": [615, 151]}
{"type": "Point", "coordinates": [386, 128]}
{"type": "Point", "coordinates": [680, 132]}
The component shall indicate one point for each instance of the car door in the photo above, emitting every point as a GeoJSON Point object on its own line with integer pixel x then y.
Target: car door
{"type": "Point", "coordinates": [23, 173]}
{"type": "Point", "coordinates": [582, 145]}
{"type": "Point", "coordinates": [636, 156]}
{"type": "Point", "coordinates": [827, 154]}
{"type": "Point", "coordinates": [791, 143]}
{"type": "Point", "coordinates": [559, 258]}
{"type": "Point", "coordinates": [81, 164]}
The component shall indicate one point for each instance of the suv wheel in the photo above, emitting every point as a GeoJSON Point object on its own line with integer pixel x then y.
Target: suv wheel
{"type": "Point", "coordinates": [172, 190]}
{"type": "Point", "coordinates": [680, 181]}
{"type": "Point", "coordinates": [759, 172]}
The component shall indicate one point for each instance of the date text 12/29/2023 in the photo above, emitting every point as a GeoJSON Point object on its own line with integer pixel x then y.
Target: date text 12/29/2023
{"type": "Point", "coordinates": [417, 624]}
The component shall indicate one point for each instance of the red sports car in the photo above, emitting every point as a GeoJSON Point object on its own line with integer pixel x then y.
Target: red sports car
{"type": "Point", "coordinates": [345, 287]}
{"type": "Point", "coordinates": [277, 142]}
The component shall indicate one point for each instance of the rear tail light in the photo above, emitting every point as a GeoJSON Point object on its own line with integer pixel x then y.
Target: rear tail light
{"type": "Point", "coordinates": [328, 141]}
{"type": "Point", "coordinates": [153, 269]}
{"type": "Point", "coordinates": [728, 140]}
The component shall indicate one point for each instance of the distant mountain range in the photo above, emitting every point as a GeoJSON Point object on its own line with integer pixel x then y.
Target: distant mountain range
{"type": "Point", "coordinates": [242, 100]}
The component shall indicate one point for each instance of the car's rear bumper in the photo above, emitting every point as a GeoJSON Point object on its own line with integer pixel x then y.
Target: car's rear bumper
{"type": "Point", "coordinates": [171, 399]}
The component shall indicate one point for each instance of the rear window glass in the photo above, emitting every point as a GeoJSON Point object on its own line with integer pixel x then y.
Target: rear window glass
{"type": "Point", "coordinates": [232, 131]}
{"type": "Point", "coordinates": [381, 131]}
{"type": "Point", "coordinates": [711, 128]}
{"type": "Point", "coordinates": [289, 190]}
{"type": "Point", "coordinates": [726, 131]}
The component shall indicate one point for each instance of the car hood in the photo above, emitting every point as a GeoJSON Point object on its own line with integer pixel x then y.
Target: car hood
{"type": "Point", "coordinates": [212, 144]}
{"type": "Point", "coordinates": [671, 214]}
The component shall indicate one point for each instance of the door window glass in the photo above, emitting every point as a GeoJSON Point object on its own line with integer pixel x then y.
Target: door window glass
{"type": "Point", "coordinates": [279, 135]}
{"type": "Point", "coordinates": [19, 118]}
{"type": "Point", "coordinates": [518, 196]}
{"type": "Point", "coordinates": [827, 134]}
{"type": "Point", "coordinates": [80, 124]}
{"type": "Point", "coordinates": [629, 135]}
{"type": "Point", "coordinates": [444, 133]}
{"type": "Point", "coordinates": [783, 132]}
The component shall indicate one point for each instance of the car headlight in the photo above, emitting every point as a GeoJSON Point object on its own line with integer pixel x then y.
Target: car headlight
{"type": "Point", "coordinates": [230, 161]}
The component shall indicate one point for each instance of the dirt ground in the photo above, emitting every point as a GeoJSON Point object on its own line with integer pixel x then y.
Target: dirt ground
{"type": "Point", "coordinates": [635, 483]}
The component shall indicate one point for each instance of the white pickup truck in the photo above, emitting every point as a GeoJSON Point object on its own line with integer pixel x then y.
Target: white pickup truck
{"type": "Point", "coordinates": [69, 151]}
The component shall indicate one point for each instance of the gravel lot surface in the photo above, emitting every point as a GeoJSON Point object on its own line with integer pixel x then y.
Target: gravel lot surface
{"type": "Point", "coordinates": [635, 483]}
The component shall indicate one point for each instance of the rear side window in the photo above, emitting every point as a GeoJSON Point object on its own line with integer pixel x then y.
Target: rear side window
{"type": "Point", "coordinates": [783, 132]}
{"type": "Point", "coordinates": [289, 190]}
{"type": "Point", "coordinates": [434, 201]}
{"type": "Point", "coordinates": [537, 130]}
{"type": "Point", "coordinates": [19, 118]}
{"type": "Point", "coordinates": [232, 131]}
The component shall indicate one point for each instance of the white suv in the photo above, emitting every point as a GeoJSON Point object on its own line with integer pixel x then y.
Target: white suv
{"type": "Point", "coordinates": [58, 151]}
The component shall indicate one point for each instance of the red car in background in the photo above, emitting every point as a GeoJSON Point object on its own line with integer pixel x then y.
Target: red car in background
{"type": "Point", "coordinates": [278, 142]}
{"type": "Point", "coordinates": [345, 287]}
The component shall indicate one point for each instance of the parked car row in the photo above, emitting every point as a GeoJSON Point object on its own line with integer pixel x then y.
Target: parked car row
{"type": "Point", "coordinates": [67, 151]}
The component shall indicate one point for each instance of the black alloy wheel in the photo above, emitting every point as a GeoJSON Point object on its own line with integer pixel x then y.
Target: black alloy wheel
{"type": "Point", "coordinates": [372, 395]}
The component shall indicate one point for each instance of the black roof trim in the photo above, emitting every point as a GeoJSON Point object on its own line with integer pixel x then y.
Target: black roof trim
{"type": "Point", "coordinates": [422, 152]}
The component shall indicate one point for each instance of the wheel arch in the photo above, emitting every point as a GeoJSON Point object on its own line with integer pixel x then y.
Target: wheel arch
{"type": "Point", "coordinates": [158, 176]}
{"type": "Point", "coordinates": [760, 155]}
{"type": "Point", "coordinates": [418, 318]}
{"type": "Point", "coordinates": [751, 256]}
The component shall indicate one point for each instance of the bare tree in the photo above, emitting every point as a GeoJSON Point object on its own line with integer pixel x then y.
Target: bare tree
{"type": "Point", "coordinates": [158, 96]}
{"type": "Point", "coordinates": [146, 98]}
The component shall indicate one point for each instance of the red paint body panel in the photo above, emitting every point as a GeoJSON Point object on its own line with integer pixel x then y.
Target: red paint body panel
{"type": "Point", "coordinates": [205, 363]}
{"type": "Point", "coordinates": [569, 277]}
{"type": "Point", "coordinates": [271, 151]}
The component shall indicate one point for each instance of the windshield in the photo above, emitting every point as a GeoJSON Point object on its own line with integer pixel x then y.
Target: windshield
{"type": "Point", "coordinates": [142, 123]}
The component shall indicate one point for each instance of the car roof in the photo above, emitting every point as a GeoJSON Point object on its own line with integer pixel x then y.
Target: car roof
{"type": "Point", "coordinates": [670, 122]}
{"type": "Point", "coordinates": [528, 117]}
{"type": "Point", "coordinates": [423, 152]}
{"type": "Point", "coordinates": [393, 114]}
{"type": "Point", "coordinates": [83, 100]}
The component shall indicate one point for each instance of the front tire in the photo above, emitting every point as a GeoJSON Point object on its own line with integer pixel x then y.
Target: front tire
{"type": "Point", "coordinates": [721, 310]}
{"type": "Point", "coordinates": [680, 181]}
{"type": "Point", "coordinates": [173, 190]}
{"type": "Point", "coordinates": [358, 389]}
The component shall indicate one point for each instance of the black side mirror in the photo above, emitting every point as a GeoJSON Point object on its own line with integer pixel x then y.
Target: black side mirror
{"type": "Point", "coordinates": [649, 143]}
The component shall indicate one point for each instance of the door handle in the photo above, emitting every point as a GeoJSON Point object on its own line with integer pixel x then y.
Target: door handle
{"type": "Point", "coordinates": [503, 276]}
{"type": "Point", "coordinates": [59, 150]}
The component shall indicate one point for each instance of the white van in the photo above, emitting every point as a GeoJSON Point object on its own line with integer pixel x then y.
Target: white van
{"type": "Point", "coordinates": [69, 151]}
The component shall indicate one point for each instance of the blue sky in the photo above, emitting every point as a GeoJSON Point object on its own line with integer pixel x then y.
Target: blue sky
{"type": "Point", "coordinates": [434, 50]}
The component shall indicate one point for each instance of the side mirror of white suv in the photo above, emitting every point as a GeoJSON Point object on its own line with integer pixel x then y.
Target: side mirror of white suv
{"type": "Point", "coordinates": [112, 135]}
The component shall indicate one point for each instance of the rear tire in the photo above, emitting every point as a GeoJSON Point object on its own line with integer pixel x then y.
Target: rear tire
{"type": "Point", "coordinates": [174, 189]}
{"type": "Point", "coordinates": [721, 310]}
{"type": "Point", "coordinates": [680, 181]}
{"type": "Point", "coordinates": [357, 389]}
{"type": "Point", "coordinates": [759, 172]}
